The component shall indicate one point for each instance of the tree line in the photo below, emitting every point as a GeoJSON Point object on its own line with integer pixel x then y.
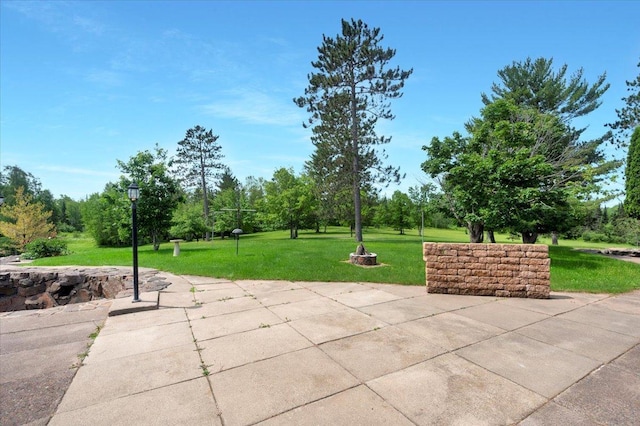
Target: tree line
{"type": "Point", "coordinates": [521, 166]}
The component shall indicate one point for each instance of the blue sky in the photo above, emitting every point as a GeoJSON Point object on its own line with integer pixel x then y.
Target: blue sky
{"type": "Point", "coordinates": [86, 83]}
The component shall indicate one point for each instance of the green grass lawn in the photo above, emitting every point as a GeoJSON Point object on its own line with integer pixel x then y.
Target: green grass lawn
{"type": "Point", "coordinates": [323, 257]}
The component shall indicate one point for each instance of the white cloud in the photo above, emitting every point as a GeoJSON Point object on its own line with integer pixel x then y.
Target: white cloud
{"type": "Point", "coordinates": [255, 108]}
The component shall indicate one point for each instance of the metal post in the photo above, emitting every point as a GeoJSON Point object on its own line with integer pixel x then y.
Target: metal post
{"type": "Point", "coordinates": [134, 221]}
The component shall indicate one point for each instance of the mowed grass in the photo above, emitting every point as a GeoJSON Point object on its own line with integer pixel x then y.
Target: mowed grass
{"type": "Point", "coordinates": [324, 257]}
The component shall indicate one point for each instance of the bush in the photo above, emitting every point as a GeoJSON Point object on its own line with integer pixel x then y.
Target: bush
{"type": "Point", "coordinates": [44, 247]}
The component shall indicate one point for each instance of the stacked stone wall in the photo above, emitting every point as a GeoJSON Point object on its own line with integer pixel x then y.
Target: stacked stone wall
{"type": "Point", "coordinates": [505, 270]}
{"type": "Point", "coordinates": [41, 288]}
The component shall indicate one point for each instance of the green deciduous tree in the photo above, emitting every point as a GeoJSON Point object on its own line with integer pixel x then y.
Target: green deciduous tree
{"type": "Point", "coordinates": [632, 177]}
{"type": "Point", "coordinates": [198, 161]}
{"type": "Point", "coordinates": [187, 221]}
{"type": "Point", "coordinates": [346, 97]}
{"type": "Point", "coordinates": [25, 220]}
{"type": "Point", "coordinates": [290, 201]}
{"type": "Point", "coordinates": [496, 178]}
{"type": "Point", "coordinates": [400, 209]}
{"type": "Point", "coordinates": [107, 216]}
{"type": "Point", "coordinates": [160, 193]}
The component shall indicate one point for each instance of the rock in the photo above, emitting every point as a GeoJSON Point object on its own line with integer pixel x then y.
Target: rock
{"type": "Point", "coordinates": [41, 301]}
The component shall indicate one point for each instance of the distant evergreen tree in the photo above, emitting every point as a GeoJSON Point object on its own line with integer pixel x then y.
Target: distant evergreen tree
{"type": "Point", "coordinates": [632, 176]}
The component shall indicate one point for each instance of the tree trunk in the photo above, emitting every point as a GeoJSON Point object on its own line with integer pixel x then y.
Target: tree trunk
{"type": "Point", "coordinates": [205, 195]}
{"type": "Point", "coordinates": [476, 232]}
{"type": "Point", "coordinates": [491, 236]}
{"type": "Point", "coordinates": [554, 238]}
{"type": "Point", "coordinates": [357, 203]}
{"type": "Point", "coordinates": [529, 237]}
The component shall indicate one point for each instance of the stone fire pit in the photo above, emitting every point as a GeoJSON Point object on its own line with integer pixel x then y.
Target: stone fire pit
{"type": "Point", "coordinates": [363, 257]}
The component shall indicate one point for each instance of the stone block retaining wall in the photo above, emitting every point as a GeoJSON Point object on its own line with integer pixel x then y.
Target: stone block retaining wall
{"type": "Point", "coordinates": [506, 270]}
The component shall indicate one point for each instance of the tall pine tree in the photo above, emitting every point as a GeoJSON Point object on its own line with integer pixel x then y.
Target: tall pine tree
{"type": "Point", "coordinates": [198, 161]}
{"type": "Point", "coordinates": [346, 96]}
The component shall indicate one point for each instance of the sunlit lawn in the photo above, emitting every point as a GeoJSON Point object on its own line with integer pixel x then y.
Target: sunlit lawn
{"type": "Point", "coordinates": [323, 257]}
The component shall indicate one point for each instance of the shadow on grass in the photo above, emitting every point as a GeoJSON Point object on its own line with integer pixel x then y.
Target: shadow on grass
{"type": "Point", "coordinates": [568, 258]}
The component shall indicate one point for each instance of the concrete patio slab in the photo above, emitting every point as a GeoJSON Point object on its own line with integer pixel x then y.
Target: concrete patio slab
{"type": "Point", "coordinates": [138, 320]}
{"type": "Point", "coordinates": [149, 339]}
{"type": "Point", "coordinates": [379, 352]}
{"type": "Point", "coordinates": [238, 349]}
{"type": "Point", "coordinates": [176, 300]}
{"type": "Point", "coordinates": [450, 390]}
{"type": "Point", "coordinates": [545, 369]}
{"type": "Point", "coordinates": [335, 325]}
{"type": "Point", "coordinates": [218, 295]}
{"type": "Point", "coordinates": [450, 331]}
{"type": "Point", "coordinates": [237, 322]}
{"type": "Point", "coordinates": [602, 317]}
{"type": "Point", "coordinates": [333, 289]}
{"type": "Point", "coordinates": [255, 287]}
{"type": "Point", "coordinates": [28, 404]}
{"type": "Point", "coordinates": [502, 316]}
{"type": "Point", "coordinates": [125, 305]}
{"type": "Point", "coordinates": [144, 372]}
{"type": "Point", "coordinates": [630, 360]}
{"type": "Point", "coordinates": [222, 307]}
{"type": "Point", "coordinates": [403, 310]}
{"type": "Point", "coordinates": [158, 406]}
{"type": "Point", "coordinates": [401, 290]}
{"type": "Point", "coordinates": [355, 406]}
{"type": "Point", "coordinates": [558, 303]}
{"type": "Point", "coordinates": [34, 339]}
{"type": "Point", "coordinates": [367, 297]}
{"type": "Point", "coordinates": [281, 297]}
{"type": "Point", "coordinates": [453, 302]}
{"type": "Point", "coordinates": [592, 342]}
{"type": "Point", "coordinates": [273, 386]}
{"type": "Point", "coordinates": [610, 395]}
{"type": "Point", "coordinates": [552, 414]}
{"type": "Point", "coordinates": [197, 280]}
{"type": "Point", "coordinates": [40, 361]}
{"type": "Point", "coordinates": [41, 319]}
{"type": "Point", "coordinates": [306, 308]}
{"type": "Point", "coordinates": [219, 285]}
{"type": "Point", "coordinates": [626, 304]}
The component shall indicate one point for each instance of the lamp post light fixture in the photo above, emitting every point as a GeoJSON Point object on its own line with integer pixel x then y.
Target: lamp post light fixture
{"type": "Point", "coordinates": [134, 194]}
{"type": "Point", "coordinates": [1, 199]}
{"type": "Point", "coordinates": [236, 233]}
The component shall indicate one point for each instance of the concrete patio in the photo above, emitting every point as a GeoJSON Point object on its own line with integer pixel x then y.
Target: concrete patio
{"type": "Point", "coordinates": [295, 353]}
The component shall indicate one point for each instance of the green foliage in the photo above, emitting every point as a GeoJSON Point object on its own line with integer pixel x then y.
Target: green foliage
{"type": "Point", "coordinates": [45, 247]}
{"type": "Point", "coordinates": [187, 222]}
{"type": "Point", "coordinates": [523, 162]}
{"type": "Point", "coordinates": [322, 257]}
{"type": "Point", "coordinates": [198, 162]}
{"type": "Point", "coordinates": [632, 177]}
{"type": "Point", "coordinates": [160, 193]}
{"type": "Point", "coordinates": [495, 178]}
{"type": "Point", "coordinates": [290, 201]}
{"type": "Point", "coordinates": [345, 98]}
{"type": "Point", "coordinates": [12, 178]}
{"type": "Point", "coordinates": [107, 216]}
{"type": "Point", "coordinates": [400, 209]}
{"type": "Point", "coordinates": [629, 115]}
{"type": "Point", "coordinates": [25, 220]}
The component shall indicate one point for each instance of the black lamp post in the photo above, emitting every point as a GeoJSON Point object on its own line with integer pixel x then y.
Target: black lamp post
{"type": "Point", "coordinates": [134, 194]}
{"type": "Point", "coordinates": [1, 199]}
{"type": "Point", "coordinates": [236, 233]}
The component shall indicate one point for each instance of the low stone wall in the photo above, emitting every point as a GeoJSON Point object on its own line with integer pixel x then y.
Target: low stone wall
{"type": "Point", "coordinates": [40, 288]}
{"type": "Point", "coordinates": [506, 270]}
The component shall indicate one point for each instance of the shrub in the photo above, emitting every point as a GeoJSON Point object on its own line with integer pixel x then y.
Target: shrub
{"type": "Point", "coordinates": [44, 247]}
